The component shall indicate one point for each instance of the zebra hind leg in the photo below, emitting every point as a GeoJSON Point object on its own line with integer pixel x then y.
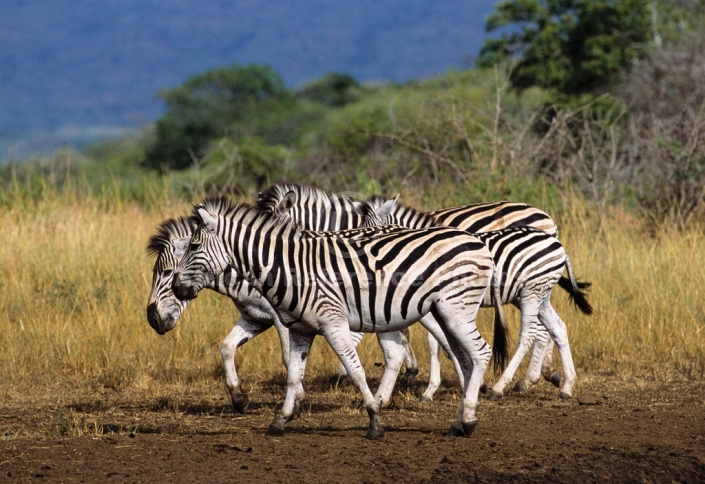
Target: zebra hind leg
{"type": "Point", "coordinates": [299, 348]}
{"type": "Point", "coordinates": [559, 333]}
{"type": "Point", "coordinates": [340, 340]}
{"type": "Point", "coordinates": [541, 362]}
{"type": "Point", "coordinates": [338, 378]}
{"type": "Point", "coordinates": [472, 354]}
{"type": "Point", "coordinates": [529, 315]}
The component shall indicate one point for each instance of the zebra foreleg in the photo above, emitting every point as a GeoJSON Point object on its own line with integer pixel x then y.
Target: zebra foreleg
{"type": "Point", "coordinates": [410, 362]}
{"type": "Point", "coordinates": [245, 329]}
{"type": "Point", "coordinates": [339, 338]}
{"type": "Point", "coordinates": [299, 348]}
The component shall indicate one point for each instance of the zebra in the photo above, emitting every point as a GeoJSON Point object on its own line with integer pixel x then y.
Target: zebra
{"type": "Point", "coordinates": [313, 205]}
{"type": "Point", "coordinates": [164, 309]}
{"type": "Point", "coordinates": [531, 261]}
{"type": "Point", "coordinates": [330, 284]}
{"type": "Point", "coordinates": [318, 210]}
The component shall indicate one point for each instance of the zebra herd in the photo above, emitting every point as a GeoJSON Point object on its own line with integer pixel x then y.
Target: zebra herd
{"type": "Point", "coordinates": [309, 263]}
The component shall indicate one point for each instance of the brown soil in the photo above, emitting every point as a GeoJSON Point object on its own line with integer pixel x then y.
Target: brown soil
{"type": "Point", "coordinates": [639, 431]}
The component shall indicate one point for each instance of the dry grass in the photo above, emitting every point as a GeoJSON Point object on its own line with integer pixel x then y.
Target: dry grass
{"type": "Point", "coordinates": [76, 281]}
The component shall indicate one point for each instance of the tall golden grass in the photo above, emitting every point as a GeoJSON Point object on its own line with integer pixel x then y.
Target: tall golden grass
{"type": "Point", "coordinates": [76, 279]}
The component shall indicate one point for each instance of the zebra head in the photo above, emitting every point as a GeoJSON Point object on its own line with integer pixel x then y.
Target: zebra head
{"type": "Point", "coordinates": [204, 258]}
{"type": "Point", "coordinates": [169, 245]}
{"type": "Point", "coordinates": [375, 211]}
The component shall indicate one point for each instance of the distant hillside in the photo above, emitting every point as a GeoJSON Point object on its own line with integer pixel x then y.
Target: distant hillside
{"type": "Point", "coordinates": [70, 65]}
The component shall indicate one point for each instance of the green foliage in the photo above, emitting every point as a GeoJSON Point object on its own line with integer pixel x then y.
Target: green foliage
{"type": "Point", "coordinates": [571, 46]}
{"type": "Point", "coordinates": [220, 102]}
{"type": "Point", "coordinates": [333, 89]}
{"type": "Point", "coordinates": [234, 168]}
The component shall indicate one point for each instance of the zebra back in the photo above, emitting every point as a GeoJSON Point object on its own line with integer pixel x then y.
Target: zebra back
{"type": "Point", "coordinates": [311, 207]}
{"type": "Point", "coordinates": [485, 217]}
{"type": "Point", "coordinates": [524, 257]}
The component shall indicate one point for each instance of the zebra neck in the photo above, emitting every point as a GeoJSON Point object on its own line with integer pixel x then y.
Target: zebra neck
{"type": "Point", "coordinates": [410, 218]}
{"type": "Point", "coordinates": [261, 259]}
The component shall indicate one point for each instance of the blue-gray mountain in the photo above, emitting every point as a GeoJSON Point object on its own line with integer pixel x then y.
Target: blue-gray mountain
{"type": "Point", "coordinates": [69, 65]}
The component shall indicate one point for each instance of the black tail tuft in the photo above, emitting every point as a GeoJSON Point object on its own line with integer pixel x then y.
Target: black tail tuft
{"type": "Point", "coordinates": [577, 294]}
{"type": "Point", "coordinates": [500, 342]}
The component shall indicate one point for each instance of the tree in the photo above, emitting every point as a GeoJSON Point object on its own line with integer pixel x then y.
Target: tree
{"type": "Point", "coordinates": [571, 46]}
{"type": "Point", "coordinates": [333, 89]}
{"type": "Point", "coordinates": [220, 102]}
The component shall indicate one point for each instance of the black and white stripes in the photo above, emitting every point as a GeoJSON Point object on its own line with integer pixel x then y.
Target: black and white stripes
{"type": "Point", "coordinates": [369, 280]}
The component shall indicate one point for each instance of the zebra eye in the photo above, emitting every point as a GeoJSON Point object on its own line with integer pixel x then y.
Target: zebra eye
{"type": "Point", "coordinates": [167, 273]}
{"type": "Point", "coordinates": [194, 247]}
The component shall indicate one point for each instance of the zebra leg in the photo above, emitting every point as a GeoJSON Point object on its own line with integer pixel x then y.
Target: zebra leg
{"type": "Point", "coordinates": [541, 361]}
{"type": "Point", "coordinates": [340, 374]}
{"type": "Point", "coordinates": [299, 347]}
{"type": "Point", "coordinates": [340, 339]}
{"type": "Point", "coordinates": [549, 373]}
{"type": "Point", "coordinates": [283, 333]}
{"type": "Point", "coordinates": [394, 353]}
{"type": "Point", "coordinates": [472, 352]}
{"type": "Point", "coordinates": [529, 316]}
{"type": "Point", "coordinates": [434, 378]}
{"type": "Point", "coordinates": [435, 338]}
{"type": "Point", "coordinates": [558, 331]}
{"type": "Point", "coordinates": [410, 362]}
{"type": "Point", "coordinates": [245, 329]}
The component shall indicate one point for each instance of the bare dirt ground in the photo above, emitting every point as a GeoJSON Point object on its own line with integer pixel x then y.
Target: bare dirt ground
{"type": "Point", "coordinates": [641, 430]}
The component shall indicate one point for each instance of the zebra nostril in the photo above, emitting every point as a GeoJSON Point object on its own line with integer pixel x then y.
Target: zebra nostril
{"type": "Point", "coordinates": [152, 315]}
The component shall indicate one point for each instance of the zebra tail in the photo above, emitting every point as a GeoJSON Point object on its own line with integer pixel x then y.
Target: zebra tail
{"type": "Point", "coordinates": [500, 342]}
{"type": "Point", "coordinates": [576, 289]}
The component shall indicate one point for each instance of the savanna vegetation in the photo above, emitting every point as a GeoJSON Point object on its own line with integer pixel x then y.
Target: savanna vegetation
{"type": "Point", "coordinates": [616, 156]}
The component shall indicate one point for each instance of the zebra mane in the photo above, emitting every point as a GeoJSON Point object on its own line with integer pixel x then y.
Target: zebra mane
{"type": "Point", "coordinates": [269, 199]}
{"type": "Point", "coordinates": [400, 213]}
{"type": "Point", "coordinates": [246, 214]}
{"type": "Point", "coordinates": [168, 230]}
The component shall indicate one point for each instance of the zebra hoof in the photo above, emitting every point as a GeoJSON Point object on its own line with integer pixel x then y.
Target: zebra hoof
{"type": "Point", "coordinates": [240, 402]}
{"type": "Point", "coordinates": [409, 377]}
{"type": "Point", "coordinates": [462, 430]}
{"type": "Point", "coordinates": [483, 388]}
{"type": "Point", "coordinates": [374, 433]}
{"type": "Point", "coordinates": [565, 396]}
{"type": "Point", "coordinates": [555, 378]}
{"type": "Point", "coordinates": [275, 430]}
{"type": "Point", "coordinates": [494, 396]}
{"type": "Point", "coordinates": [521, 387]}
{"type": "Point", "coordinates": [425, 399]}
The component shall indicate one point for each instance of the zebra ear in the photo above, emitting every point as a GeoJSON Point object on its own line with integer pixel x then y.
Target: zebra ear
{"type": "Point", "coordinates": [180, 246]}
{"type": "Point", "coordinates": [385, 209]}
{"type": "Point", "coordinates": [208, 220]}
{"type": "Point", "coordinates": [286, 203]}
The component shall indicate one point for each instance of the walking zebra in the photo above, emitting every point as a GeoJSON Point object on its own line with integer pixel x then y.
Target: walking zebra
{"type": "Point", "coordinates": [164, 309]}
{"type": "Point", "coordinates": [370, 281]}
{"type": "Point", "coordinates": [314, 206]}
{"type": "Point", "coordinates": [256, 314]}
{"type": "Point", "coordinates": [530, 262]}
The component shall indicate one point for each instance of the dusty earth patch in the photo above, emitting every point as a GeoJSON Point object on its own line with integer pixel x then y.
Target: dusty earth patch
{"type": "Point", "coordinates": [641, 431]}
